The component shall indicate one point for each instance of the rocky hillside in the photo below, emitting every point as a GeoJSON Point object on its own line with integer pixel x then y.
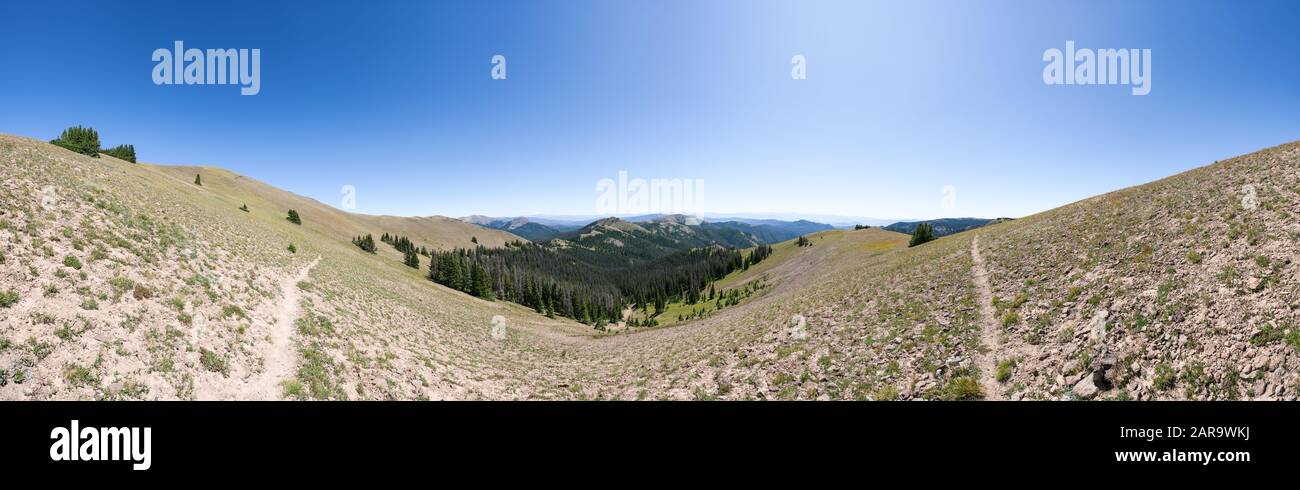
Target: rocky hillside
{"type": "Point", "coordinates": [128, 281]}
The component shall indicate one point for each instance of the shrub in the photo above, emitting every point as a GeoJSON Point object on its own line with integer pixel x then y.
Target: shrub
{"type": "Point", "coordinates": [72, 262]}
{"type": "Point", "coordinates": [8, 298]}
{"type": "Point", "coordinates": [1164, 377]}
{"type": "Point", "coordinates": [963, 388]}
{"type": "Point", "coordinates": [923, 233]}
{"type": "Point", "coordinates": [141, 292]}
{"type": "Point", "coordinates": [81, 140]}
{"type": "Point", "coordinates": [294, 218]}
{"type": "Point", "coordinates": [122, 152]}
{"type": "Point", "coordinates": [293, 249]}
{"type": "Point", "coordinates": [198, 179]}
{"type": "Point", "coordinates": [244, 208]}
{"type": "Point", "coordinates": [1194, 257]}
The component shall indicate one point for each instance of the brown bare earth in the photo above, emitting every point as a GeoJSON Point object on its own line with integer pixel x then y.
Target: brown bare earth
{"type": "Point", "coordinates": [128, 281]}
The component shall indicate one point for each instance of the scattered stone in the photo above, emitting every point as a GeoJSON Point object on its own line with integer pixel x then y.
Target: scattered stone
{"type": "Point", "coordinates": [1085, 389]}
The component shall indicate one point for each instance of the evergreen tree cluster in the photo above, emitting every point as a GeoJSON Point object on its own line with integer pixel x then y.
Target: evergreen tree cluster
{"type": "Point", "coordinates": [86, 142]}
{"type": "Point", "coordinates": [410, 253]}
{"type": "Point", "coordinates": [293, 215]}
{"type": "Point", "coordinates": [556, 284]}
{"type": "Point", "coordinates": [366, 243]}
{"type": "Point", "coordinates": [760, 252]}
{"type": "Point", "coordinates": [81, 140]}
{"type": "Point", "coordinates": [803, 241]}
{"type": "Point", "coordinates": [530, 275]}
{"type": "Point", "coordinates": [122, 152]}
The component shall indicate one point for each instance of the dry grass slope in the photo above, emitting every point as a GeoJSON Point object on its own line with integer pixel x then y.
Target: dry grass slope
{"type": "Point", "coordinates": [133, 283]}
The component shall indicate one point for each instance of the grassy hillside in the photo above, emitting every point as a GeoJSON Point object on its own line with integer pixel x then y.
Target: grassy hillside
{"type": "Point", "coordinates": [124, 280]}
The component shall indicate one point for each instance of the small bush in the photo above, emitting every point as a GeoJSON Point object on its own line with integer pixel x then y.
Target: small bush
{"type": "Point", "coordinates": [8, 298]}
{"type": "Point", "coordinates": [963, 388]}
{"type": "Point", "coordinates": [198, 180]}
{"type": "Point", "coordinates": [1194, 257]}
{"type": "Point", "coordinates": [244, 208]}
{"type": "Point", "coordinates": [294, 218]}
{"type": "Point", "coordinates": [72, 262]}
{"type": "Point", "coordinates": [293, 249]}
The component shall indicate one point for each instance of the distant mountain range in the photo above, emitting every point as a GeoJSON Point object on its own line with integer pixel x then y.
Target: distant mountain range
{"type": "Point", "coordinates": [944, 226]}
{"type": "Point", "coordinates": [730, 232]}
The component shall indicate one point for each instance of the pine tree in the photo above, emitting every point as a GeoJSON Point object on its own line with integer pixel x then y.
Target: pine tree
{"type": "Point", "coordinates": [923, 233]}
{"type": "Point", "coordinates": [198, 179]}
{"type": "Point", "coordinates": [411, 259]}
{"type": "Point", "coordinates": [294, 218]}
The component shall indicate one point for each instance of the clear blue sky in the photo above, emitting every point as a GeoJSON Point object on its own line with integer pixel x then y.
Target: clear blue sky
{"type": "Point", "coordinates": [901, 98]}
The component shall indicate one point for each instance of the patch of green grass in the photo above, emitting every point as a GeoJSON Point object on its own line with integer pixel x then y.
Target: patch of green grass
{"type": "Point", "coordinates": [962, 388]}
{"type": "Point", "coordinates": [1194, 257]}
{"type": "Point", "coordinates": [233, 311]}
{"type": "Point", "coordinates": [316, 374]}
{"type": "Point", "coordinates": [1010, 319]}
{"type": "Point", "coordinates": [212, 362]}
{"type": "Point", "coordinates": [1005, 367]}
{"type": "Point", "coordinates": [315, 326]}
{"type": "Point", "coordinates": [78, 375]}
{"type": "Point", "coordinates": [120, 286]}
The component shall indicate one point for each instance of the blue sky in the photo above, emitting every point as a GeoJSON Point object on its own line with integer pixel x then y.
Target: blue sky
{"type": "Point", "coordinates": [901, 98]}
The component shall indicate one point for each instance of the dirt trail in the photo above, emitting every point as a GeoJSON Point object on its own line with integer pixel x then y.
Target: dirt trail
{"type": "Point", "coordinates": [279, 356]}
{"type": "Point", "coordinates": [989, 338]}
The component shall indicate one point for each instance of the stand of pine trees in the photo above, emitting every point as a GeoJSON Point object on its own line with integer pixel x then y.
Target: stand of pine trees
{"type": "Point", "coordinates": [86, 142]}
{"type": "Point", "coordinates": [366, 243]}
{"type": "Point", "coordinates": [81, 140]}
{"type": "Point", "coordinates": [555, 284]}
{"type": "Point", "coordinates": [122, 152]}
{"type": "Point", "coordinates": [803, 241]}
